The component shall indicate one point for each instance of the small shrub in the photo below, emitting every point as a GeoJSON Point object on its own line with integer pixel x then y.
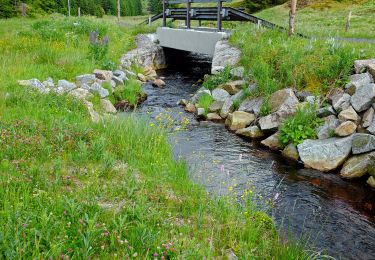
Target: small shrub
{"type": "Point", "coordinates": [205, 101]}
{"type": "Point", "coordinates": [130, 92]}
{"type": "Point", "coordinates": [213, 81]}
{"type": "Point", "coordinates": [98, 48]}
{"type": "Point", "coordinates": [301, 126]}
{"type": "Point", "coordinates": [108, 65]}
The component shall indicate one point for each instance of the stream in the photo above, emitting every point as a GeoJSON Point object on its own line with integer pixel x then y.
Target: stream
{"type": "Point", "coordinates": [331, 215]}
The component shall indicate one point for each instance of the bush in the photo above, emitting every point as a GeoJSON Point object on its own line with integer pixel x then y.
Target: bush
{"type": "Point", "coordinates": [98, 48]}
{"type": "Point", "coordinates": [213, 81]}
{"type": "Point", "coordinates": [301, 126]}
{"type": "Point", "coordinates": [130, 92]}
{"type": "Point", "coordinates": [205, 101]}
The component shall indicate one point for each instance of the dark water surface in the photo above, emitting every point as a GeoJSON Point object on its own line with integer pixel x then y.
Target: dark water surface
{"type": "Point", "coordinates": [333, 215]}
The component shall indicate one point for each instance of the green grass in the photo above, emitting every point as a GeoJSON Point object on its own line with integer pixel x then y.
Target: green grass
{"type": "Point", "coordinates": [131, 92]}
{"type": "Point", "coordinates": [69, 187]}
{"type": "Point", "coordinates": [274, 60]}
{"type": "Point", "coordinates": [205, 101]}
{"type": "Point", "coordinates": [327, 18]}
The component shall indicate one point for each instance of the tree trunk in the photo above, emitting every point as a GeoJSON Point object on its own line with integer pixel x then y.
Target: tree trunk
{"type": "Point", "coordinates": [69, 8]}
{"type": "Point", "coordinates": [118, 10]}
{"type": "Point", "coordinates": [79, 11]}
{"type": "Point", "coordinates": [347, 26]}
{"type": "Point", "coordinates": [292, 17]}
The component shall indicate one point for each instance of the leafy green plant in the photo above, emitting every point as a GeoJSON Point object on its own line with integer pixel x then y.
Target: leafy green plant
{"type": "Point", "coordinates": [108, 64]}
{"type": "Point", "coordinates": [213, 81]}
{"type": "Point", "coordinates": [130, 92]}
{"type": "Point", "coordinates": [301, 126]}
{"type": "Point", "coordinates": [98, 48]}
{"type": "Point", "coordinates": [205, 101]}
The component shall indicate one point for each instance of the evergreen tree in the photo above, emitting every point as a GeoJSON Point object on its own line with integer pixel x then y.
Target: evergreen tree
{"type": "Point", "coordinates": [7, 9]}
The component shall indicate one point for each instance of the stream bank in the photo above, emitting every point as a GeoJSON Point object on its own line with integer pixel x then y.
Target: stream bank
{"type": "Point", "coordinates": [332, 214]}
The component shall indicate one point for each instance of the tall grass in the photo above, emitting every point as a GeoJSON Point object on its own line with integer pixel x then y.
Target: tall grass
{"type": "Point", "coordinates": [276, 61]}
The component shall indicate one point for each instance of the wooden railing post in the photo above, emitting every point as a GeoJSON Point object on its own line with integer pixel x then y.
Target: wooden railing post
{"type": "Point", "coordinates": [188, 7]}
{"type": "Point", "coordinates": [164, 14]}
{"type": "Point", "coordinates": [219, 18]}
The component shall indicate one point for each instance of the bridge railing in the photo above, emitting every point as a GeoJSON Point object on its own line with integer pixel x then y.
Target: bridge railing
{"type": "Point", "coordinates": [189, 10]}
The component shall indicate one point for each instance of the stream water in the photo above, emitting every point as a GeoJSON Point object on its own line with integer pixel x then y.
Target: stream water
{"type": "Point", "coordinates": [334, 216]}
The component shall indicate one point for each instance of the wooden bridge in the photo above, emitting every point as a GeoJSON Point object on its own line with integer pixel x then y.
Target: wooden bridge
{"type": "Point", "coordinates": [218, 14]}
{"type": "Point", "coordinates": [200, 40]}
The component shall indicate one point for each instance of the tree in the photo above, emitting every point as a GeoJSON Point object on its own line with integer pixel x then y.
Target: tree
{"type": "Point", "coordinates": [292, 17]}
{"type": "Point", "coordinates": [7, 9]}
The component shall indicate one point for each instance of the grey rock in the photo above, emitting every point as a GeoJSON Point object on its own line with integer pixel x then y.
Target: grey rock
{"type": "Point", "coordinates": [325, 111]}
{"type": "Point", "coordinates": [342, 103]}
{"type": "Point", "coordinates": [201, 112]}
{"type": "Point", "coordinates": [97, 88]}
{"type": "Point", "coordinates": [360, 65]}
{"type": "Point", "coordinates": [363, 143]}
{"type": "Point", "coordinates": [251, 105]}
{"type": "Point", "coordinates": [327, 129]}
{"type": "Point", "coordinates": [290, 152]}
{"type": "Point", "coordinates": [80, 93]}
{"type": "Point", "coordinates": [158, 83]}
{"type": "Point", "coordinates": [270, 122]}
{"type": "Point", "coordinates": [348, 114]}
{"type": "Point", "coordinates": [273, 142]}
{"type": "Point", "coordinates": [103, 74]}
{"type": "Point", "coordinates": [313, 100]}
{"type": "Point", "coordinates": [232, 87]}
{"type": "Point", "coordinates": [325, 155]}
{"type": "Point", "coordinates": [93, 114]}
{"type": "Point", "coordinates": [213, 117]}
{"type": "Point", "coordinates": [219, 94]}
{"type": "Point", "coordinates": [226, 108]}
{"type": "Point", "coordinates": [48, 83]}
{"type": "Point", "coordinates": [356, 81]}
{"type": "Point", "coordinates": [346, 128]}
{"type": "Point", "coordinates": [357, 166]}
{"type": "Point", "coordinates": [215, 106]}
{"type": "Point", "coordinates": [371, 70]}
{"type": "Point", "coordinates": [339, 100]}
{"type": "Point", "coordinates": [283, 99]}
{"type": "Point", "coordinates": [64, 86]}
{"type": "Point", "coordinates": [224, 55]}
{"type": "Point", "coordinates": [251, 132]}
{"type": "Point", "coordinates": [368, 117]}
{"type": "Point", "coordinates": [190, 108]}
{"type": "Point", "coordinates": [240, 119]}
{"type": "Point", "coordinates": [302, 95]}
{"type": "Point", "coordinates": [118, 81]}
{"type": "Point", "coordinates": [85, 79]}
{"type": "Point", "coordinates": [363, 97]}
{"type": "Point", "coordinates": [107, 106]}
{"type": "Point", "coordinates": [237, 72]}
{"type": "Point", "coordinates": [147, 54]}
{"type": "Point", "coordinates": [35, 84]}
{"type": "Point", "coordinates": [120, 74]}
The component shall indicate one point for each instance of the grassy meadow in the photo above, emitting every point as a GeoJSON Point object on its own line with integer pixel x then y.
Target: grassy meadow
{"type": "Point", "coordinates": [70, 188]}
{"type": "Point", "coordinates": [327, 18]}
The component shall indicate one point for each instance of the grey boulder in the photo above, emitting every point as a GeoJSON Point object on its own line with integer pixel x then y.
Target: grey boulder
{"type": "Point", "coordinates": [325, 155]}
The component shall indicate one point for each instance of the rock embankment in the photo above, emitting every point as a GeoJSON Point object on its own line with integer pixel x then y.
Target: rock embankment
{"type": "Point", "coordinates": [345, 139]}
{"type": "Point", "coordinates": [148, 56]}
